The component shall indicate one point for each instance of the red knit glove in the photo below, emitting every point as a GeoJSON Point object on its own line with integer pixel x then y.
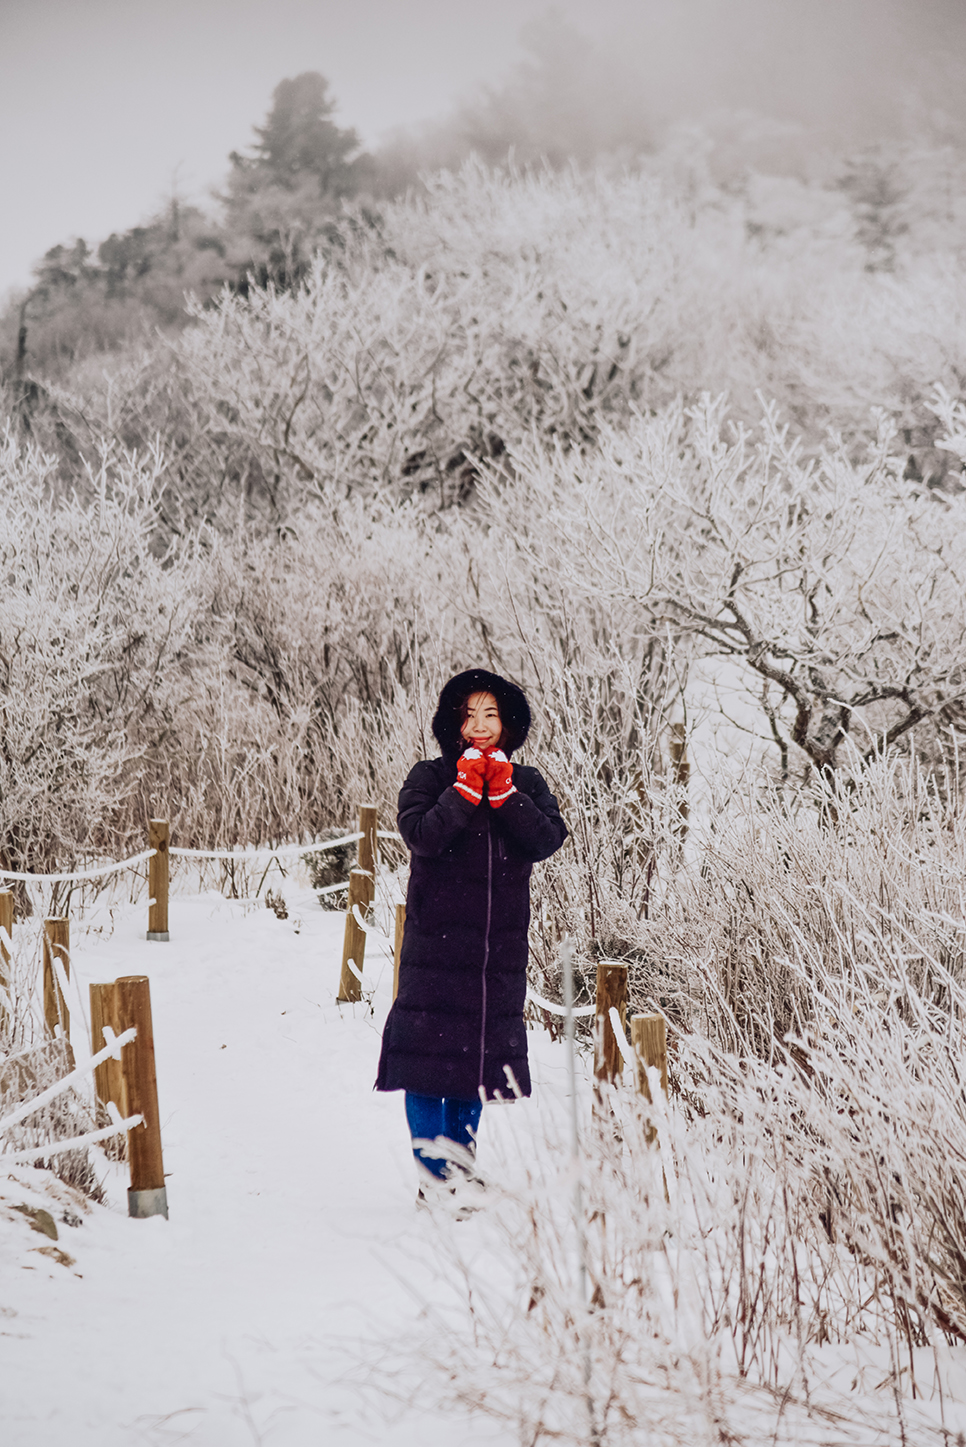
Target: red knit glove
{"type": "Point", "coordinates": [470, 773]}
{"type": "Point", "coordinates": [499, 777]}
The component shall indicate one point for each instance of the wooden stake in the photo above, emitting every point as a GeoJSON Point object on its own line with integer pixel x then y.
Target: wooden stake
{"type": "Point", "coordinates": [56, 946]}
{"type": "Point", "coordinates": [681, 772]}
{"type": "Point", "coordinates": [400, 929]}
{"type": "Point", "coordinates": [158, 876]}
{"type": "Point", "coordinates": [109, 1075]}
{"type": "Point", "coordinates": [611, 993]}
{"type": "Point", "coordinates": [649, 1039]}
{"type": "Point", "coordinates": [354, 945]}
{"type": "Point", "coordinates": [6, 923]}
{"type": "Point", "coordinates": [368, 846]}
{"type": "Point", "coordinates": [147, 1195]}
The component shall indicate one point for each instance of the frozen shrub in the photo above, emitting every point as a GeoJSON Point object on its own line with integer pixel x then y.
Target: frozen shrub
{"type": "Point", "coordinates": [811, 1221]}
{"type": "Point", "coordinates": [490, 308]}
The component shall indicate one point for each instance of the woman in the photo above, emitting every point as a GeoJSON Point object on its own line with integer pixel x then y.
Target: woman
{"type": "Point", "coordinates": [475, 825]}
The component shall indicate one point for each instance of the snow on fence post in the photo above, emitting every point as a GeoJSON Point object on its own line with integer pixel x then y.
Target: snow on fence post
{"type": "Point", "coordinates": [159, 838]}
{"type": "Point", "coordinates": [611, 994]}
{"type": "Point", "coordinates": [109, 1075]}
{"type": "Point", "coordinates": [362, 891]}
{"type": "Point", "coordinates": [354, 944]}
{"type": "Point", "coordinates": [6, 940]}
{"type": "Point", "coordinates": [6, 923]}
{"type": "Point", "coordinates": [56, 952]}
{"type": "Point", "coordinates": [397, 950]}
{"type": "Point", "coordinates": [649, 1039]}
{"type": "Point", "coordinates": [147, 1195]}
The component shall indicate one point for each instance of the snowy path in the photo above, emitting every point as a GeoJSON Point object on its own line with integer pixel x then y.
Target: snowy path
{"type": "Point", "coordinates": [261, 1312]}
{"type": "Point", "coordinates": [291, 1198]}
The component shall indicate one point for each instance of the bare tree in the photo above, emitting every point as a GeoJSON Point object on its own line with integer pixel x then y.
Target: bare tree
{"type": "Point", "coordinates": [837, 587]}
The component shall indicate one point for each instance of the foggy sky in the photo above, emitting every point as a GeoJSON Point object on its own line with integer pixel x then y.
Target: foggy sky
{"type": "Point", "coordinates": [106, 104]}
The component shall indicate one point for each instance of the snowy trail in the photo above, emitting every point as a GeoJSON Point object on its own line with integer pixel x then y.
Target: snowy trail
{"type": "Point", "coordinates": [261, 1311]}
{"type": "Point", "coordinates": [291, 1198]}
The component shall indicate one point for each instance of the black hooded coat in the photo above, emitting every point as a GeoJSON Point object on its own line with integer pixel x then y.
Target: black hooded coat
{"type": "Point", "coordinates": [457, 1022]}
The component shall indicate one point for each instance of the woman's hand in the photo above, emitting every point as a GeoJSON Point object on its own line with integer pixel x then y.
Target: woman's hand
{"type": "Point", "coordinates": [499, 777]}
{"type": "Point", "coordinates": [470, 774]}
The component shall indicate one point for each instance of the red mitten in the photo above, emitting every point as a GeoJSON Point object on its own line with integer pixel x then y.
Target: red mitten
{"type": "Point", "coordinates": [499, 777]}
{"type": "Point", "coordinates": [470, 773]}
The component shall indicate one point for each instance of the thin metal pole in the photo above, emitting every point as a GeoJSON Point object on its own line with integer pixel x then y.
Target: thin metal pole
{"type": "Point", "coordinates": [567, 951]}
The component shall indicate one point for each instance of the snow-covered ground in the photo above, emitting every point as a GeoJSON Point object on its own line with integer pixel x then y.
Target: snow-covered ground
{"type": "Point", "coordinates": [270, 1304]}
{"type": "Point", "coordinates": [292, 1218]}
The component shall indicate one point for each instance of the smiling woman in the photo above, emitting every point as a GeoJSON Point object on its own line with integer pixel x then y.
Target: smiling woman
{"type": "Point", "coordinates": [475, 826]}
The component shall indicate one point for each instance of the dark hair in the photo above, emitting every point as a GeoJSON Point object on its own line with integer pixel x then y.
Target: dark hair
{"type": "Point", "coordinates": [450, 716]}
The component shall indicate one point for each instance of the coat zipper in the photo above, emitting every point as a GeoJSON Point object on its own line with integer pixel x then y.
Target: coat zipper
{"type": "Point", "coordinates": [486, 941]}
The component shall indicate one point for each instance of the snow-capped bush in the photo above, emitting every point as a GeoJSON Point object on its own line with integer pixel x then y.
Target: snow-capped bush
{"type": "Point", "coordinates": [493, 307]}
{"type": "Point", "coordinates": [789, 1248]}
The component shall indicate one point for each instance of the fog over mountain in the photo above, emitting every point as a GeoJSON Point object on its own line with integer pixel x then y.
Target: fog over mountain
{"type": "Point", "coordinates": [115, 104]}
{"type": "Point", "coordinates": [853, 67]}
{"type": "Point", "coordinates": [792, 80]}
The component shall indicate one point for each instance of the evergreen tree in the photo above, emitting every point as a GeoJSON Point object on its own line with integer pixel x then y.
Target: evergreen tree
{"type": "Point", "coordinates": [299, 140]}
{"type": "Point", "coordinates": [284, 197]}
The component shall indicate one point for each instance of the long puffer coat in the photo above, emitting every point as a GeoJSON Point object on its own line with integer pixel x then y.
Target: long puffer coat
{"type": "Point", "coordinates": [457, 1023]}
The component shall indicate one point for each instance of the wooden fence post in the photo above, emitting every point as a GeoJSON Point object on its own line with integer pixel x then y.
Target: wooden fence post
{"type": "Point", "coordinates": [611, 994]}
{"type": "Point", "coordinates": [368, 846]}
{"type": "Point", "coordinates": [354, 944]}
{"type": "Point", "coordinates": [397, 952]}
{"type": "Point", "coordinates": [6, 924]}
{"type": "Point", "coordinates": [159, 837]}
{"type": "Point", "coordinates": [148, 1195]}
{"type": "Point", "coordinates": [649, 1039]}
{"type": "Point", "coordinates": [681, 773]}
{"type": "Point", "coordinates": [56, 946]}
{"type": "Point", "coordinates": [109, 1075]}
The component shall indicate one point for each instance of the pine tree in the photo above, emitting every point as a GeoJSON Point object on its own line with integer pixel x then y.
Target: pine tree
{"type": "Point", "coordinates": [300, 140]}
{"type": "Point", "coordinates": [284, 197]}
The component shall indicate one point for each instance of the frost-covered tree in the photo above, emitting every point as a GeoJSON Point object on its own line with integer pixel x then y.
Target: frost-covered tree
{"type": "Point", "coordinates": [300, 140]}
{"type": "Point", "coordinates": [283, 196]}
{"type": "Point", "coordinates": [835, 587]}
{"type": "Point", "coordinates": [84, 303]}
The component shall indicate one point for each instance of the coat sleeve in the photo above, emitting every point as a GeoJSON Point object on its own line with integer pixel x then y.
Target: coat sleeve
{"type": "Point", "coordinates": [429, 821]}
{"type": "Point", "coordinates": [531, 818]}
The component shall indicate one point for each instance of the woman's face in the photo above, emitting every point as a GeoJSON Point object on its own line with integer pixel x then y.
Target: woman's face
{"type": "Point", "coordinates": [483, 727]}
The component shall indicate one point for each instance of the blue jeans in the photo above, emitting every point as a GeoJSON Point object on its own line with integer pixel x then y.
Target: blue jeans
{"type": "Point", "coordinates": [456, 1120]}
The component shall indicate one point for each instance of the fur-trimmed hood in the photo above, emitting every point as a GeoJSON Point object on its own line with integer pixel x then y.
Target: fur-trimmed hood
{"type": "Point", "coordinates": [511, 700]}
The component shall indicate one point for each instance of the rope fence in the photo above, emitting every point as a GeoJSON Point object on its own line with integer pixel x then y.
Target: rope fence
{"type": "Point", "coordinates": [78, 875]}
{"type": "Point", "coordinates": [124, 1074]}
{"type": "Point", "coordinates": [120, 1013]}
{"type": "Point", "coordinates": [576, 1011]}
{"type": "Point", "coordinates": [130, 1098]}
{"type": "Point", "coordinates": [113, 1048]}
{"type": "Point", "coordinates": [242, 856]}
{"type": "Point", "coordinates": [258, 856]}
{"type": "Point", "coordinates": [56, 967]}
